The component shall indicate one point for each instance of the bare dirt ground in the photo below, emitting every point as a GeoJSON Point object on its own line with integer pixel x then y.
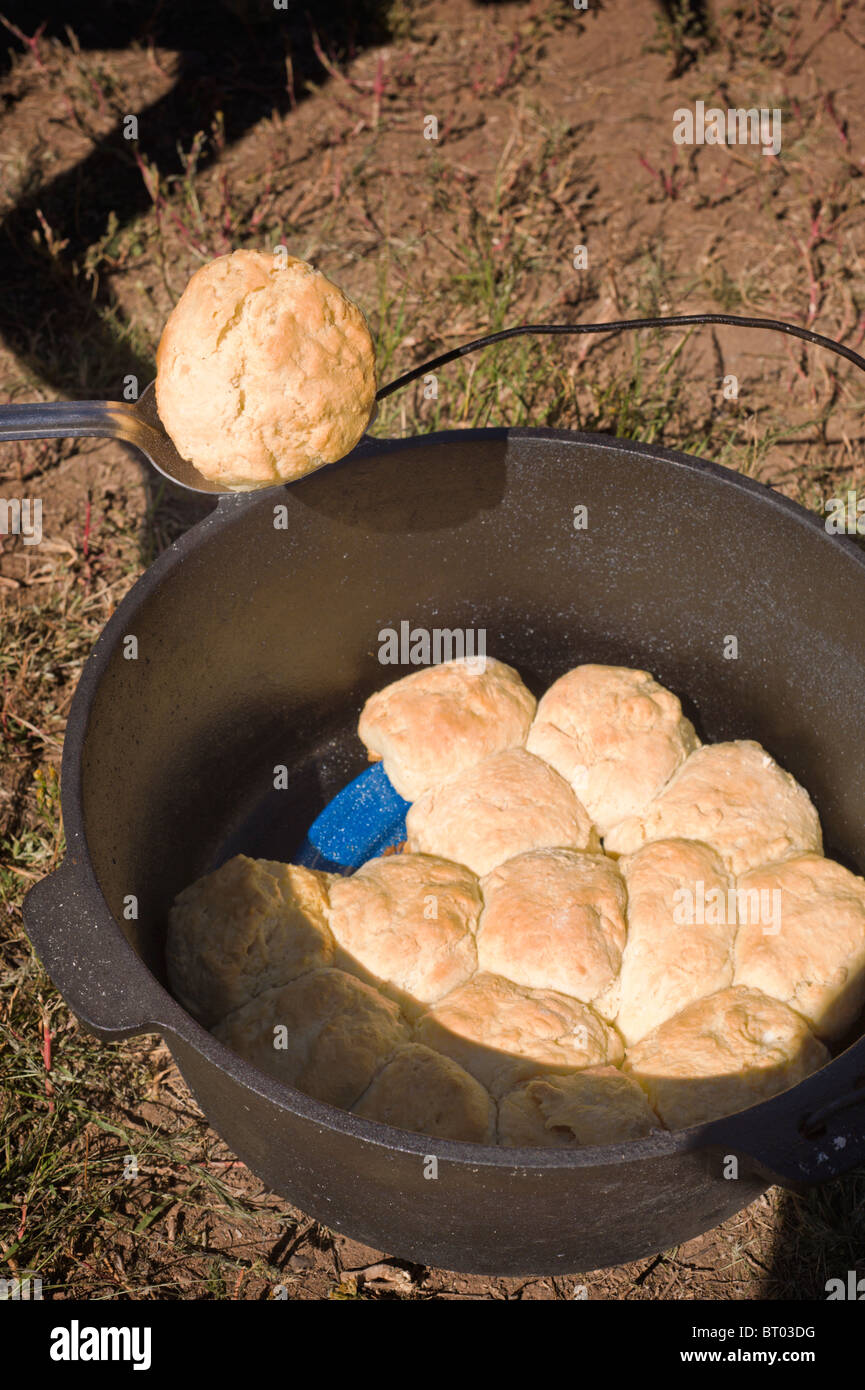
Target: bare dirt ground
{"type": "Point", "coordinates": [554, 132]}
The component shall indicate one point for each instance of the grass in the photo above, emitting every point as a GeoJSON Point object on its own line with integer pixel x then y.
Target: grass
{"type": "Point", "coordinates": [80, 1182]}
{"type": "Point", "coordinates": [825, 1237]}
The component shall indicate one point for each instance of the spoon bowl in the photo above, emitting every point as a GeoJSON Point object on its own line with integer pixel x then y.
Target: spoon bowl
{"type": "Point", "coordinates": [150, 436]}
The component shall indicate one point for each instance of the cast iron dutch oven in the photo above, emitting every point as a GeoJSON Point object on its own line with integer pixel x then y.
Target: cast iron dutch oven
{"type": "Point", "coordinates": [257, 645]}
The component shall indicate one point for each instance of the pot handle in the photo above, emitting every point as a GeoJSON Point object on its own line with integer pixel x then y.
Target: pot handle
{"type": "Point", "coordinates": [91, 967]}
{"type": "Point", "coordinates": [548, 330]}
{"type": "Point", "coordinates": [802, 1136]}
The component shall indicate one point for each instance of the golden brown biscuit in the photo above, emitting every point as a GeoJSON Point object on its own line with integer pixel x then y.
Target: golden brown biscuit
{"type": "Point", "coordinates": [681, 931]}
{"type": "Point", "coordinates": [432, 725]}
{"type": "Point", "coordinates": [723, 1054]}
{"type": "Point", "coordinates": [327, 1033]}
{"type": "Point", "coordinates": [250, 925]}
{"type": "Point", "coordinates": [425, 1092]}
{"type": "Point", "coordinates": [509, 803]}
{"type": "Point", "coordinates": [802, 939]}
{"type": "Point", "coordinates": [597, 1106]}
{"type": "Point", "coordinates": [554, 919]}
{"type": "Point", "coordinates": [265, 371]}
{"type": "Point", "coordinates": [734, 797]}
{"type": "Point", "coordinates": [503, 1033]}
{"type": "Point", "coordinates": [615, 735]}
{"type": "Point", "coordinates": [407, 923]}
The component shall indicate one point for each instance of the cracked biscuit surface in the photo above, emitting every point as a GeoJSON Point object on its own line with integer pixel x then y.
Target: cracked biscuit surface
{"type": "Point", "coordinates": [733, 797]}
{"type": "Point", "coordinates": [721, 1054]}
{"type": "Point", "coordinates": [615, 735]}
{"type": "Point", "coordinates": [503, 1033]}
{"type": "Point", "coordinates": [509, 803]}
{"type": "Point", "coordinates": [265, 371]}
{"type": "Point", "coordinates": [600, 1105]}
{"type": "Point", "coordinates": [554, 919]}
{"type": "Point", "coordinates": [248, 926]}
{"type": "Point", "coordinates": [428, 1093]}
{"type": "Point", "coordinates": [802, 939]}
{"type": "Point", "coordinates": [327, 1033]}
{"type": "Point", "coordinates": [408, 922]}
{"type": "Point", "coordinates": [434, 724]}
{"type": "Point", "coordinates": [682, 926]}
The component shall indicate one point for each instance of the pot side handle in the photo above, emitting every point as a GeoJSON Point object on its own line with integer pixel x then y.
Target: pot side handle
{"type": "Point", "coordinates": [806, 1135]}
{"type": "Point", "coordinates": [99, 975]}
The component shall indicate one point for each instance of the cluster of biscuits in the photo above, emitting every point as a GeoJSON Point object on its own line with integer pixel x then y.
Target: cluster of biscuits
{"type": "Point", "coordinates": [599, 926]}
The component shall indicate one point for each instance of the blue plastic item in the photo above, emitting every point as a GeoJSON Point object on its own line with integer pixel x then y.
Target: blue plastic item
{"type": "Point", "coordinates": [362, 821]}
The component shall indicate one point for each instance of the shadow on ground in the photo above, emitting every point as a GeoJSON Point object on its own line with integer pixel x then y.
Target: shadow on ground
{"type": "Point", "coordinates": [234, 59]}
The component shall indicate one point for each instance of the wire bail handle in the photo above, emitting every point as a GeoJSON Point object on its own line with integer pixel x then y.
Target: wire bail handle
{"type": "Point", "coordinates": [619, 326]}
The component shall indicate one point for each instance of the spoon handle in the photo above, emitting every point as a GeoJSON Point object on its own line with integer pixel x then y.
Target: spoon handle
{"type": "Point", "coordinates": [64, 419]}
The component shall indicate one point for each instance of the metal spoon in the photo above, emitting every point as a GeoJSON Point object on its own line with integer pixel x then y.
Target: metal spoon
{"type": "Point", "coordinates": [135, 422]}
{"type": "Point", "coordinates": [138, 423]}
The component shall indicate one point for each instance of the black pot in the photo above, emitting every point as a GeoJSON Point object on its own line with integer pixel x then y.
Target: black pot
{"type": "Point", "coordinates": [256, 646]}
